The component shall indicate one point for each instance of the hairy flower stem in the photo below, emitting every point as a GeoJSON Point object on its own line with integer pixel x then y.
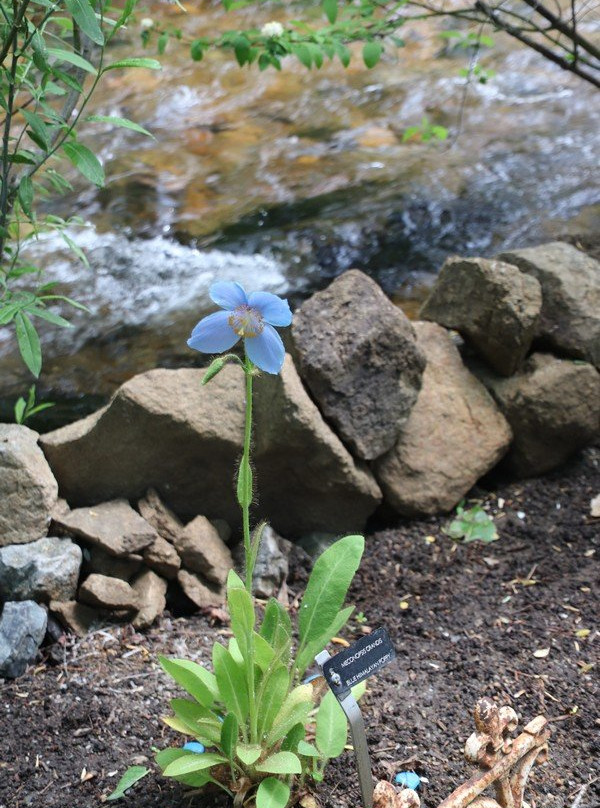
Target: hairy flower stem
{"type": "Point", "coordinates": [245, 488]}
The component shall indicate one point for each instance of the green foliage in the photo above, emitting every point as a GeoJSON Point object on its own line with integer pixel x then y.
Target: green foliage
{"type": "Point", "coordinates": [51, 61]}
{"type": "Point", "coordinates": [25, 408]}
{"type": "Point", "coordinates": [252, 712]}
{"type": "Point", "coordinates": [472, 524]}
{"type": "Point", "coordinates": [133, 775]}
{"type": "Point", "coordinates": [425, 132]}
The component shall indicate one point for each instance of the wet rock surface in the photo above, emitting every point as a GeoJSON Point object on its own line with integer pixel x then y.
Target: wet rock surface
{"type": "Point", "coordinates": [360, 360]}
{"type": "Point", "coordinates": [28, 490]}
{"type": "Point", "coordinates": [492, 304]}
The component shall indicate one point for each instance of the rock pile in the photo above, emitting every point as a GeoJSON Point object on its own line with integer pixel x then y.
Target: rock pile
{"type": "Point", "coordinates": [410, 414]}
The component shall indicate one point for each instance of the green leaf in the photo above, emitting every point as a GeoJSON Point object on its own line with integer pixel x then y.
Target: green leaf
{"type": "Point", "coordinates": [308, 749]}
{"type": "Point", "coordinates": [37, 129]}
{"type": "Point", "coordinates": [232, 684]}
{"type": "Point", "coordinates": [241, 48]}
{"type": "Point", "coordinates": [293, 711]}
{"type": "Point", "coordinates": [50, 317]}
{"type": "Point", "coordinates": [25, 194]}
{"type": "Point", "coordinates": [281, 763]}
{"type": "Point", "coordinates": [197, 50]}
{"type": "Point", "coordinates": [276, 628]}
{"type": "Point", "coordinates": [327, 587]}
{"type": "Point", "coordinates": [123, 123]}
{"type": "Point", "coordinates": [148, 64]}
{"type": "Point", "coordinates": [234, 581]}
{"type": "Point", "coordinates": [303, 54]}
{"type": "Point", "coordinates": [20, 410]}
{"type": "Point", "coordinates": [29, 343]}
{"type": "Point", "coordinates": [272, 793]}
{"type": "Point", "coordinates": [191, 763]}
{"type": "Point", "coordinates": [330, 7]}
{"type": "Point", "coordinates": [199, 720]}
{"type": "Point", "coordinates": [132, 776]}
{"type": "Point", "coordinates": [263, 653]}
{"type": "Point", "coordinates": [84, 16]}
{"type": "Point", "coordinates": [293, 738]}
{"type": "Point", "coordinates": [309, 651]}
{"type": "Point", "coordinates": [229, 735]}
{"type": "Point", "coordinates": [332, 727]}
{"type": "Point", "coordinates": [241, 610]}
{"type": "Point", "coordinates": [168, 756]}
{"type": "Point", "coordinates": [272, 691]}
{"type": "Point", "coordinates": [86, 161]}
{"type": "Point", "coordinates": [193, 678]}
{"type": "Point", "coordinates": [62, 55]}
{"type": "Point", "coordinates": [372, 53]}
{"type": "Point", "coordinates": [248, 753]}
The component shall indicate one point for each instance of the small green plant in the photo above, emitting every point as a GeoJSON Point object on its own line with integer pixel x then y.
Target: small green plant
{"type": "Point", "coordinates": [253, 726]}
{"type": "Point", "coordinates": [472, 524]}
{"type": "Point", "coordinates": [425, 131]}
{"type": "Point", "coordinates": [25, 408]}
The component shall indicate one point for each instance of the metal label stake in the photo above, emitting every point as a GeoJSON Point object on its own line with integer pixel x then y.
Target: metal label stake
{"type": "Point", "coordinates": [346, 669]}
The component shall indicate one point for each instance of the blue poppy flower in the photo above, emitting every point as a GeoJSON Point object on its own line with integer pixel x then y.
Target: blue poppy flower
{"type": "Point", "coordinates": [248, 317]}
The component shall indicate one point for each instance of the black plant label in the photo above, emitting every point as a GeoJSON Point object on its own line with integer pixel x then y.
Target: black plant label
{"type": "Point", "coordinates": [353, 665]}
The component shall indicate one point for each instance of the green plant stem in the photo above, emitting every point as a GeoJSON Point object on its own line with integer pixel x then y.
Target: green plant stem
{"type": "Point", "coordinates": [248, 370]}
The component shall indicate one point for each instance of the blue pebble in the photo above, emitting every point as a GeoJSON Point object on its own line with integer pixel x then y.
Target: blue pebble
{"type": "Point", "coordinates": [194, 746]}
{"type": "Point", "coordinates": [408, 779]}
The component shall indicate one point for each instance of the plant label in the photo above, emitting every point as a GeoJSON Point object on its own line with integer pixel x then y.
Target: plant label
{"type": "Point", "coordinates": [362, 659]}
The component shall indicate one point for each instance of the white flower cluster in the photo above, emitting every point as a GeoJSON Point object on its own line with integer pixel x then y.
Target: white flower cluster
{"type": "Point", "coordinates": [272, 28]}
{"type": "Point", "coordinates": [146, 23]}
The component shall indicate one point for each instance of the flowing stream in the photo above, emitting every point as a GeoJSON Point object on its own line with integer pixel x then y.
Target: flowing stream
{"type": "Point", "coordinates": [284, 180]}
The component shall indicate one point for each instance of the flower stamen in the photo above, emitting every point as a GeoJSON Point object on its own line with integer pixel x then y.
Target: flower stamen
{"type": "Point", "coordinates": [246, 321]}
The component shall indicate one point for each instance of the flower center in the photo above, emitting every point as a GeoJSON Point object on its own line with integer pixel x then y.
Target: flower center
{"type": "Point", "coordinates": [246, 321]}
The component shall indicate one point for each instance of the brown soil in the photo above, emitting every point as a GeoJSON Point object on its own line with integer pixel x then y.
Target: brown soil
{"type": "Point", "coordinates": [473, 616]}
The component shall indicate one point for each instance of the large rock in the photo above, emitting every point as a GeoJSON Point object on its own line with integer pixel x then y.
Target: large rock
{"type": "Point", "coordinates": [164, 430]}
{"type": "Point", "coordinates": [454, 435]}
{"type": "Point", "coordinates": [113, 526]}
{"type": "Point", "coordinates": [306, 478]}
{"type": "Point", "coordinates": [43, 570]}
{"type": "Point", "coordinates": [553, 407]}
{"type": "Point", "coordinates": [108, 593]}
{"type": "Point", "coordinates": [151, 592]}
{"type": "Point", "coordinates": [95, 559]}
{"type": "Point", "coordinates": [494, 305]}
{"type": "Point", "coordinates": [271, 568]}
{"type": "Point", "coordinates": [161, 430]}
{"type": "Point", "coordinates": [570, 280]}
{"type": "Point", "coordinates": [28, 490]}
{"type": "Point", "coordinates": [22, 629]}
{"type": "Point", "coordinates": [359, 358]}
{"type": "Point", "coordinates": [202, 550]}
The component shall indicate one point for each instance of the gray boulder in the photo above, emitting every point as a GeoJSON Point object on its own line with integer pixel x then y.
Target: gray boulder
{"type": "Point", "coordinates": [306, 478]}
{"type": "Point", "coordinates": [553, 407]}
{"type": "Point", "coordinates": [28, 490]}
{"type": "Point", "coordinates": [198, 591]}
{"type": "Point", "coordinates": [570, 281]}
{"type": "Point", "coordinates": [43, 570]}
{"type": "Point", "coordinates": [108, 593]}
{"type": "Point", "coordinates": [113, 526]}
{"type": "Point", "coordinates": [359, 358]}
{"type": "Point", "coordinates": [22, 629]}
{"type": "Point", "coordinates": [455, 434]}
{"type": "Point", "coordinates": [492, 304]}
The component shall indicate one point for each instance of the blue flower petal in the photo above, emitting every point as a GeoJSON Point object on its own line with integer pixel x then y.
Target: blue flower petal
{"type": "Point", "coordinates": [194, 746]}
{"type": "Point", "coordinates": [266, 350]}
{"type": "Point", "coordinates": [213, 334]}
{"type": "Point", "coordinates": [228, 295]}
{"type": "Point", "coordinates": [274, 309]}
{"type": "Point", "coordinates": [408, 779]}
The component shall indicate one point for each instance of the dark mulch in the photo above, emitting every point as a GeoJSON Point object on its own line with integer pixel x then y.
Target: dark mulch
{"type": "Point", "coordinates": [472, 618]}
